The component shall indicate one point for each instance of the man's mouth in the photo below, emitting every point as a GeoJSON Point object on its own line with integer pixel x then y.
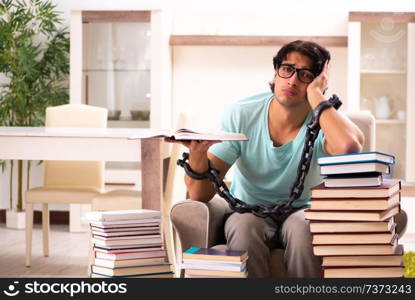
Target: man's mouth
{"type": "Point", "coordinates": [289, 91]}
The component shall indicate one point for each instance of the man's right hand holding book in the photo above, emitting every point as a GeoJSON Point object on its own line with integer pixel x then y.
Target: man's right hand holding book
{"type": "Point", "coordinates": [201, 190]}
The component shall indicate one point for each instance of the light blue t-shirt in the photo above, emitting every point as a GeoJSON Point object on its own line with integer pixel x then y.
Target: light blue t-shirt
{"type": "Point", "coordinates": [264, 174]}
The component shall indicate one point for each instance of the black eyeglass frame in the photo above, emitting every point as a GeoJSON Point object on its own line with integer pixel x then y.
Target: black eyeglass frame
{"type": "Point", "coordinates": [295, 70]}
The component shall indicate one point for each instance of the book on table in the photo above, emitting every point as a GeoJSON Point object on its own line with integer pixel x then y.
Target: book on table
{"type": "Point", "coordinates": [355, 203]}
{"type": "Point", "coordinates": [344, 215]}
{"type": "Point", "coordinates": [215, 254]}
{"type": "Point", "coordinates": [353, 180]}
{"type": "Point", "coordinates": [353, 238]}
{"type": "Point", "coordinates": [355, 168]}
{"type": "Point", "coordinates": [191, 134]}
{"type": "Point", "coordinates": [317, 226]}
{"type": "Point", "coordinates": [372, 156]}
{"type": "Point", "coordinates": [394, 259]}
{"type": "Point", "coordinates": [361, 249]}
{"type": "Point", "coordinates": [386, 189]}
{"type": "Point", "coordinates": [364, 272]}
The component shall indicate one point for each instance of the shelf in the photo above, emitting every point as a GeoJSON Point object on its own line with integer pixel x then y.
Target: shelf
{"type": "Point", "coordinates": [368, 17]}
{"type": "Point", "coordinates": [385, 72]}
{"type": "Point", "coordinates": [390, 121]}
{"type": "Point", "coordinates": [252, 40]}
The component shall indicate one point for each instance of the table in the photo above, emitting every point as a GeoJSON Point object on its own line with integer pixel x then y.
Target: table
{"type": "Point", "coordinates": [90, 144]}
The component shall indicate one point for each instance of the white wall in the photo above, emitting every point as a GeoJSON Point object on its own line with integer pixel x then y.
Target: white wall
{"type": "Point", "coordinates": [206, 79]}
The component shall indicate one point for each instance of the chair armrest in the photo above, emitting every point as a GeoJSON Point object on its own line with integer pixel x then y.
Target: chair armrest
{"type": "Point", "coordinates": [199, 224]}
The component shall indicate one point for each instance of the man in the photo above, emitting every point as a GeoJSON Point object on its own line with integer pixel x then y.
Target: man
{"type": "Point", "coordinates": [266, 165]}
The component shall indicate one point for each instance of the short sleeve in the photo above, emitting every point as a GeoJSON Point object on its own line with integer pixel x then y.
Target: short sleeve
{"type": "Point", "coordinates": [229, 151]}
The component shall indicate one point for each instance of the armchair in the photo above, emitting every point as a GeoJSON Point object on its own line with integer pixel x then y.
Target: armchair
{"type": "Point", "coordinates": [201, 224]}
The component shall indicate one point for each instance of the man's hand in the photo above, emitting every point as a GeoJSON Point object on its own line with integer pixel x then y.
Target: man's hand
{"type": "Point", "coordinates": [197, 153]}
{"type": "Point", "coordinates": [318, 86]}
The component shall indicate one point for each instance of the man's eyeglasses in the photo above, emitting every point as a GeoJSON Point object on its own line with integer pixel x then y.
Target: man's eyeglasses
{"type": "Point", "coordinates": [304, 75]}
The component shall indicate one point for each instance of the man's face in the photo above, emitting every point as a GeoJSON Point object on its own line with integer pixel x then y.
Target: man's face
{"type": "Point", "coordinates": [292, 92]}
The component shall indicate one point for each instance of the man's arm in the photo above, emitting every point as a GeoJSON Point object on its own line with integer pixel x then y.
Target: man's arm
{"type": "Point", "coordinates": [201, 190]}
{"type": "Point", "coordinates": [341, 135]}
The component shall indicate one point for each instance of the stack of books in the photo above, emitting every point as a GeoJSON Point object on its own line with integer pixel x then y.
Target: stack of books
{"type": "Point", "coordinates": [128, 243]}
{"type": "Point", "coordinates": [214, 263]}
{"type": "Point", "coordinates": [352, 218]}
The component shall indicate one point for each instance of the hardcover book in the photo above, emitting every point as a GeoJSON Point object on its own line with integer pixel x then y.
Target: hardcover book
{"type": "Point", "coordinates": [367, 272]}
{"type": "Point", "coordinates": [353, 238]}
{"type": "Point", "coordinates": [372, 156]}
{"type": "Point", "coordinates": [215, 254]}
{"type": "Point", "coordinates": [122, 215]}
{"type": "Point", "coordinates": [353, 180]}
{"type": "Point", "coordinates": [135, 270]}
{"type": "Point", "coordinates": [355, 203]}
{"type": "Point", "coordinates": [355, 168]}
{"type": "Point", "coordinates": [365, 260]}
{"type": "Point", "coordinates": [386, 189]}
{"type": "Point", "coordinates": [342, 215]}
{"type": "Point", "coordinates": [342, 226]}
{"type": "Point", "coordinates": [375, 249]}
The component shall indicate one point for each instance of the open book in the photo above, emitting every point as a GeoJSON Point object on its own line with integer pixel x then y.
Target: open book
{"type": "Point", "coordinates": [188, 134]}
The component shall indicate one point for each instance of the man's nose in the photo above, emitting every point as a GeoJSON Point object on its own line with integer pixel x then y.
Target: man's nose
{"type": "Point", "coordinates": [293, 80]}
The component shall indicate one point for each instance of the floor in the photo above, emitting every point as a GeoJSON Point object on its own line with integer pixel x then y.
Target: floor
{"type": "Point", "coordinates": [68, 253]}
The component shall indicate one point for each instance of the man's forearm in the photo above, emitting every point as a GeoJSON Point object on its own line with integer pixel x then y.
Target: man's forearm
{"type": "Point", "coordinates": [342, 135]}
{"type": "Point", "coordinates": [200, 190]}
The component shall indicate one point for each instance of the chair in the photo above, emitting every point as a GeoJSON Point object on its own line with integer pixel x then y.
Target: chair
{"type": "Point", "coordinates": [65, 181]}
{"type": "Point", "coordinates": [201, 224]}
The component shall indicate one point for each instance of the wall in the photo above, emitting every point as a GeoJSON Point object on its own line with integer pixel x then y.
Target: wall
{"type": "Point", "coordinates": [207, 79]}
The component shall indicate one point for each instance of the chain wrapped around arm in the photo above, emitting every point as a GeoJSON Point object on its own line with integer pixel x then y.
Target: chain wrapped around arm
{"type": "Point", "coordinates": [279, 212]}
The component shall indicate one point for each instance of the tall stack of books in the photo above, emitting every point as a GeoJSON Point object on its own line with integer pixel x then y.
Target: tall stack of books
{"type": "Point", "coordinates": [214, 263]}
{"type": "Point", "coordinates": [128, 243]}
{"type": "Point", "coordinates": [352, 217]}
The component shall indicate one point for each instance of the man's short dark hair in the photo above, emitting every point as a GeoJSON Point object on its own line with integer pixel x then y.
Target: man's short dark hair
{"type": "Point", "coordinates": [314, 51]}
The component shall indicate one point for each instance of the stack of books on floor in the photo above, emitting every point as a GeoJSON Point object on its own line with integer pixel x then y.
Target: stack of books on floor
{"type": "Point", "coordinates": [128, 243]}
{"type": "Point", "coordinates": [214, 263]}
{"type": "Point", "coordinates": [352, 217]}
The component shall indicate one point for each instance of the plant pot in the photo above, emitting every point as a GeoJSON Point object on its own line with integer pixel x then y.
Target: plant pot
{"type": "Point", "coordinates": [15, 219]}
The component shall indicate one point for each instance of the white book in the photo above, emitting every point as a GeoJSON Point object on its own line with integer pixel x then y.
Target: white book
{"type": "Point", "coordinates": [373, 156]}
{"type": "Point", "coordinates": [119, 215]}
{"type": "Point", "coordinates": [124, 223]}
{"type": "Point", "coordinates": [352, 181]}
{"type": "Point", "coordinates": [191, 134]}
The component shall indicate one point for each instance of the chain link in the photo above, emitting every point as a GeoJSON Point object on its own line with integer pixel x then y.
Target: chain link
{"type": "Point", "coordinates": [283, 209]}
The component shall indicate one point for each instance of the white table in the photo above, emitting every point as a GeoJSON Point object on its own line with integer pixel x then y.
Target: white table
{"type": "Point", "coordinates": [90, 144]}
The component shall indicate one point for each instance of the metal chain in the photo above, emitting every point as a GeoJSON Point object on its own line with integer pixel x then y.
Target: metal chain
{"type": "Point", "coordinates": [283, 209]}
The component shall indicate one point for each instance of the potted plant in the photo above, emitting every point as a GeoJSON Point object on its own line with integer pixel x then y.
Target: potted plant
{"type": "Point", "coordinates": [34, 63]}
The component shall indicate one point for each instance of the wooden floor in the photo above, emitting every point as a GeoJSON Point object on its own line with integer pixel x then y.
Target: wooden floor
{"type": "Point", "coordinates": [68, 253]}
